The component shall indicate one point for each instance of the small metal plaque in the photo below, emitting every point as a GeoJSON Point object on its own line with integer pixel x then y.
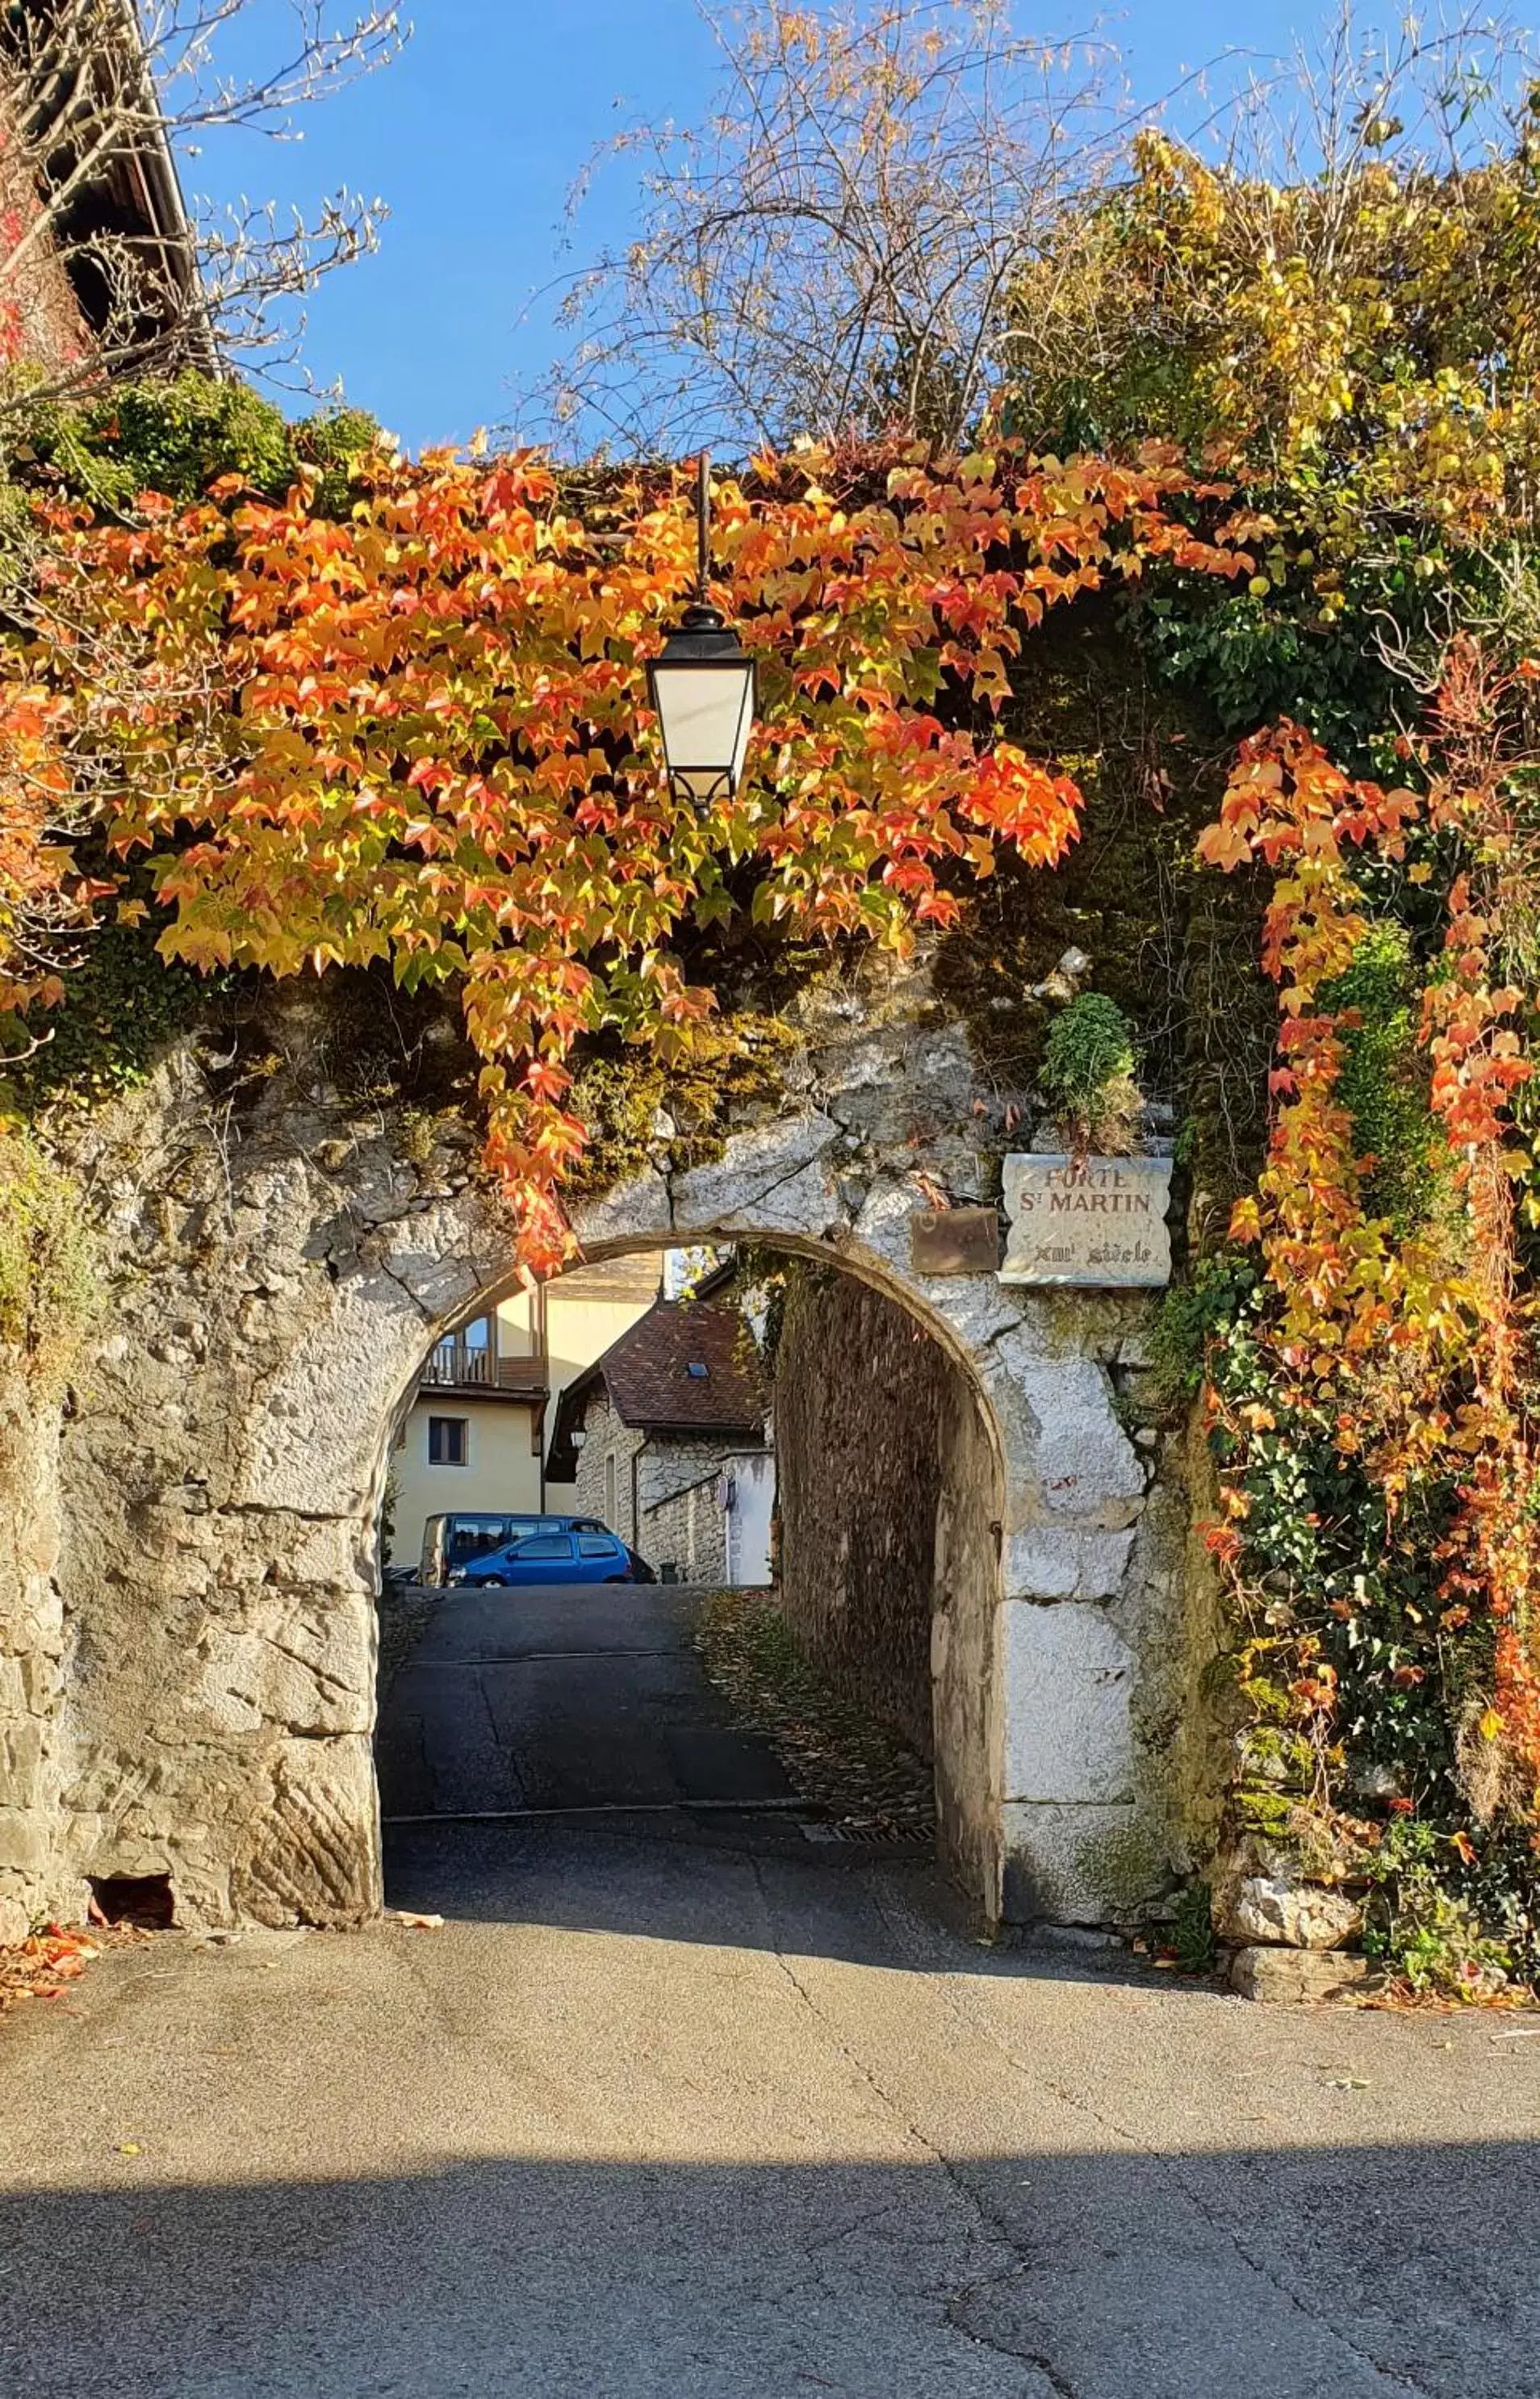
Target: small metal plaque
{"type": "Point", "coordinates": [955, 1241]}
{"type": "Point", "coordinates": [1099, 1222]}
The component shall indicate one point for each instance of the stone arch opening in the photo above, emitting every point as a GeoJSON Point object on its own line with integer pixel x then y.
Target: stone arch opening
{"type": "Point", "coordinates": [891, 1470]}
{"type": "Point", "coordinates": [210, 1677]}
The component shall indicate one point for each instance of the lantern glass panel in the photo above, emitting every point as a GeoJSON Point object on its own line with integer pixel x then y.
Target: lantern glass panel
{"type": "Point", "coordinates": [707, 713]}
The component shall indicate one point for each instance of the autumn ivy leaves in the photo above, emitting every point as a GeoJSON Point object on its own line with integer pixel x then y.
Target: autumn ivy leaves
{"type": "Point", "coordinates": [418, 732]}
{"type": "Point", "coordinates": [415, 732]}
{"type": "Point", "coordinates": [1409, 1346]}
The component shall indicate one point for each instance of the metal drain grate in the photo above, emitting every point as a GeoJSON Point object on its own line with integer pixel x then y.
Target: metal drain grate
{"type": "Point", "coordinates": [870, 1836]}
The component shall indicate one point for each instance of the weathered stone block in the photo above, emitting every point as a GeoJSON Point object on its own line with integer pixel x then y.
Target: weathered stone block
{"type": "Point", "coordinates": [25, 1845]}
{"type": "Point", "coordinates": [1295, 1976]}
{"type": "Point", "coordinates": [1048, 1564]}
{"type": "Point", "coordinates": [22, 1751]}
{"type": "Point", "coordinates": [633, 1209]}
{"type": "Point", "coordinates": [1300, 1915]}
{"type": "Point", "coordinates": [300, 1676]}
{"type": "Point", "coordinates": [975, 1308]}
{"type": "Point", "coordinates": [1080, 1865]}
{"type": "Point", "coordinates": [1086, 1465]}
{"type": "Point", "coordinates": [310, 1853]}
{"type": "Point", "coordinates": [775, 1178]}
{"type": "Point", "coordinates": [1068, 1681]}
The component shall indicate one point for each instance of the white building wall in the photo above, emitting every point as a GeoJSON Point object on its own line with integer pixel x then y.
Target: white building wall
{"type": "Point", "coordinates": [752, 1495]}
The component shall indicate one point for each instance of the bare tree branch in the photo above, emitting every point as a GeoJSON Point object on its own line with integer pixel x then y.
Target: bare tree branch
{"type": "Point", "coordinates": [826, 254]}
{"type": "Point", "coordinates": [103, 272]}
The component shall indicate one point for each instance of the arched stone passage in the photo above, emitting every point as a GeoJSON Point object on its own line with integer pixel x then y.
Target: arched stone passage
{"type": "Point", "coordinates": [964, 1601]}
{"type": "Point", "coordinates": [223, 1466]}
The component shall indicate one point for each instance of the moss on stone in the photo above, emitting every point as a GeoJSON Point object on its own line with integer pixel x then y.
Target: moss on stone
{"type": "Point", "coordinates": [641, 1110]}
{"type": "Point", "coordinates": [47, 1263]}
{"type": "Point", "coordinates": [1257, 1809]}
{"type": "Point", "coordinates": [1281, 1759]}
{"type": "Point", "coordinates": [1126, 1866]}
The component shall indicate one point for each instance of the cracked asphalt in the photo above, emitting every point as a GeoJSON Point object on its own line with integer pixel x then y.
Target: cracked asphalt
{"type": "Point", "coordinates": [681, 2104]}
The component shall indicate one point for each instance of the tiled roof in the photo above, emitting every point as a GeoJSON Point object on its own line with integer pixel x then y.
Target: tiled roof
{"type": "Point", "coordinates": [650, 1387]}
{"type": "Point", "coordinates": [647, 1372]}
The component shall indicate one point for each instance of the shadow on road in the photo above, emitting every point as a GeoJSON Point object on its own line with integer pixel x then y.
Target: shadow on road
{"type": "Point", "coordinates": [579, 1698]}
{"type": "Point", "coordinates": [1326, 2273]}
{"type": "Point", "coordinates": [559, 1757]}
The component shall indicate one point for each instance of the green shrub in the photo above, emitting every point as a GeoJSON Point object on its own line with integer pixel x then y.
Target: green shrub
{"type": "Point", "coordinates": [178, 438]}
{"type": "Point", "coordinates": [1424, 1931]}
{"type": "Point", "coordinates": [1189, 1316]}
{"type": "Point", "coordinates": [1089, 1065]}
{"type": "Point", "coordinates": [1192, 1929]}
{"type": "Point", "coordinates": [1383, 1079]}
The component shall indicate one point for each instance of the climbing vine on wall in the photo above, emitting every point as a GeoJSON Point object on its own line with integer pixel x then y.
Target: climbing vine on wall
{"type": "Point", "coordinates": [321, 720]}
{"type": "Point", "coordinates": [1359, 349]}
{"type": "Point", "coordinates": [414, 730]}
{"type": "Point", "coordinates": [1374, 1390]}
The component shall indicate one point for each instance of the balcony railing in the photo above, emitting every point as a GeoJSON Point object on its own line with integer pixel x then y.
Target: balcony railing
{"type": "Point", "coordinates": [451, 1366]}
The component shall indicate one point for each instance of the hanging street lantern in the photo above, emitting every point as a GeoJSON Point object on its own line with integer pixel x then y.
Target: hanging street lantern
{"type": "Point", "coordinates": [702, 687]}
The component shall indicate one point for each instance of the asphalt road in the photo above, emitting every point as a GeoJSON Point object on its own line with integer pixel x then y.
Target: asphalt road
{"type": "Point", "coordinates": [680, 2106]}
{"type": "Point", "coordinates": [577, 1697]}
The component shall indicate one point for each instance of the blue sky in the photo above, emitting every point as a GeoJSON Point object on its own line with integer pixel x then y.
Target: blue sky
{"type": "Point", "coordinates": [474, 136]}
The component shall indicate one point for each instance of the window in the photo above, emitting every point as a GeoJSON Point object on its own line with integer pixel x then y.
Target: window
{"type": "Point", "coordinates": [477, 1334]}
{"type": "Point", "coordinates": [470, 1537]}
{"type": "Point", "coordinates": [546, 1545]}
{"type": "Point", "coordinates": [448, 1441]}
{"type": "Point", "coordinates": [597, 1545]}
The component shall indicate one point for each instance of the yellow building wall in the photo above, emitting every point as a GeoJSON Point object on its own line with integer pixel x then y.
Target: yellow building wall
{"type": "Point", "coordinates": [502, 1469]}
{"type": "Point", "coordinates": [585, 1312]}
{"type": "Point", "coordinates": [518, 1324]}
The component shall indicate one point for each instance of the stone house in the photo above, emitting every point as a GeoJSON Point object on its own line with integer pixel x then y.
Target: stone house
{"type": "Point", "coordinates": [664, 1438]}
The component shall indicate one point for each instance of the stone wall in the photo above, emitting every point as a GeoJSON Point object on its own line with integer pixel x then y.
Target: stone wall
{"type": "Point", "coordinates": [684, 1522]}
{"type": "Point", "coordinates": [861, 1398]}
{"type": "Point", "coordinates": [666, 1497]}
{"type": "Point", "coordinates": [34, 1880]}
{"type": "Point", "coordinates": [603, 1437]}
{"type": "Point", "coordinates": [287, 1234]}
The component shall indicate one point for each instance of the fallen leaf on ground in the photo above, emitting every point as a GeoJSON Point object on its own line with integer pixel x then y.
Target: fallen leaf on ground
{"type": "Point", "coordinates": [44, 1965]}
{"type": "Point", "coordinates": [419, 1923]}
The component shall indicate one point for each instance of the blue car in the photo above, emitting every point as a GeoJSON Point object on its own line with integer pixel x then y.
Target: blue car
{"type": "Point", "coordinates": [583, 1554]}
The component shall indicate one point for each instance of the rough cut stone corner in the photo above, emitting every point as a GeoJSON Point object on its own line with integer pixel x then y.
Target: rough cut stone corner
{"type": "Point", "coordinates": [186, 1609]}
{"type": "Point", "coordinates": [1295, 1977]}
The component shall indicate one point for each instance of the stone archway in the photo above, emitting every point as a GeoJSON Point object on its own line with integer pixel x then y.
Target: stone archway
{"type": "Point", "coordinates": [966, 1591]}
{"type": "Point", "coordinates": [223, 1470]}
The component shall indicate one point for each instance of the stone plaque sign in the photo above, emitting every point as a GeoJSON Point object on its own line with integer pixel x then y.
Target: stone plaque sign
{"type": "Point", "coordinates": [1095, 1221]}
{"type": "Point", "coordinates": [954, 1240]}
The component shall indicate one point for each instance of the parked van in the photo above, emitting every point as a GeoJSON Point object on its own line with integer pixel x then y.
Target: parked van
{"type": "Point", "coordinates": [449, 1543]}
